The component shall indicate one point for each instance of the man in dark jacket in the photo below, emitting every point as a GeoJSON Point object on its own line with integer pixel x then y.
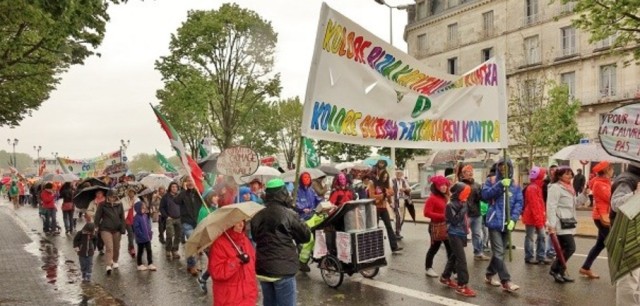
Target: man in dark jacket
{"type": "Point", "coordinates": [277, 230]}
{"type": "Point", "coordinates": [475, 217]}
{"type": "Point", "coordinates": [189, 202]}
{"type": "Point", "coordinates": [170, 213]}
{"type": "Point", "coordinates": [579, 182]}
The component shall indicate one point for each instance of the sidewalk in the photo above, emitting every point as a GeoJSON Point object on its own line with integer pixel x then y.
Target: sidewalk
{"type": "Point", "coordinates": [585, 227]}
{"type": "Point", "coordinates": [23, 279]}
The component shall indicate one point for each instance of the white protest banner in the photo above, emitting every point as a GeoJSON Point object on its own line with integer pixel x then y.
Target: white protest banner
{"type": "Point", "coordinates": [343, 246]}
{"type": "Point", "coordinates": [92, 167]}
{"type": "Point", "coordinates": [619, 132]}
{"type": "Point", "coordinates": [237, 161]}
{"type": "Point", "coordinates": [364, 91]}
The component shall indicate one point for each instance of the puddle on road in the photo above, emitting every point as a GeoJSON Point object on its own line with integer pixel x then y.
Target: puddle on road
{"type": "Point", "coordinates": [65, 276]}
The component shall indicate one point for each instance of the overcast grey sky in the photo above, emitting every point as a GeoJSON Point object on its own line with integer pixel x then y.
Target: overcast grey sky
{"type": "Point", "coordinates": [107, 99]}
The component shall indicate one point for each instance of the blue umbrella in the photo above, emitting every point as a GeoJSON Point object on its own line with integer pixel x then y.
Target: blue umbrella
{"type": "Point", "coordinates": [373, 160]}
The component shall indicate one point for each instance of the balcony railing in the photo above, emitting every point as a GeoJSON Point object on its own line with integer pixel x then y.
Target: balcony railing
{"type": "Point", "coordinates": [531, 20]}
{"type": "Point", "coordinates": [606, 95]}
{"type": "Point", "coordinates": [566, 52]}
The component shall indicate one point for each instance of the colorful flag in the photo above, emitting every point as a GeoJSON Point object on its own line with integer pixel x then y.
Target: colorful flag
{"type": "Point", "coordinates": [43, 167]}
{"type": "Point", "coordinates": [202, 152]}
{"type": "Point", "coordinates": [311, 158]}
{"type": "Point", "coordinates": [164, 162]}
{"type": "Point", "coordinates": [187, 162]}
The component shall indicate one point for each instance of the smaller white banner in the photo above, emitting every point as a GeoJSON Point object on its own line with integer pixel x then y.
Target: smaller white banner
{"type": "Point", "coordinates": [320, 247]}
{"type": "Point", "coordinates": [343, 246]}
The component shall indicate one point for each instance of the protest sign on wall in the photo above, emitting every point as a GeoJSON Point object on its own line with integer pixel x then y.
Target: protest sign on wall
{"type": "Point", "coordinates": [362, 90]}
{"type": "Point", "coordinates": [619, 132]}
{"type": "Point", "coordinates": [237, 161]}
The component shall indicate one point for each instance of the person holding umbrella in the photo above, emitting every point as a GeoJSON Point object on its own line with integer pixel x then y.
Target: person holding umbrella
{"type": "Point", "coordinates": [561, 221]}
{"type": "Point", "coordinates": [110, 221]}
{"type": "Point", "coordinates": [499, 223]}
{"type": "Point", "coordinates": [232, 264]}
{"type": "Point", "coordinates": [276, 231]}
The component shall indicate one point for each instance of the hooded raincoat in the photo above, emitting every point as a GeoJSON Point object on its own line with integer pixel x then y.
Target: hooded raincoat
{"type": "Point", "coordinates": [234, 283]}
{"type": "Point", "coordinates": [534, 213]}
{"type": "Point", "coordinates": [493, 193]}
{"type": "Point", "coordinates": [307, 199]}
{"type": "Point", "coordinates": [141, 224]}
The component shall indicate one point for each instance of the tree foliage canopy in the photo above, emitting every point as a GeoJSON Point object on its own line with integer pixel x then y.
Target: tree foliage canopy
{"type": "Point", "coordinates": [39, 41]}
{"type": "Point", "coordinates": [342, 152]}
{"type": "Point", "coordinates": [228, 54]}
{"type": "Point", "coordinates": [605, 18]}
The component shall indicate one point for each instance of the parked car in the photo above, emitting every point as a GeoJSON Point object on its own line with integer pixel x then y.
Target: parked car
{"type": "Point", "coordinates": [416, 192]}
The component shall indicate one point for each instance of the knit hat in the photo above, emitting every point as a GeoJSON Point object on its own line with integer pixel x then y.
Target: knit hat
{"type": "Point", "coordinates": [275, 183]}
{"type": "Point", "coordinates": [440, 181]}
{"type": "Point", "coordinates": [601, 166]}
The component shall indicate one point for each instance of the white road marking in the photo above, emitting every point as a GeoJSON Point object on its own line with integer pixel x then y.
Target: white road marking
{"type": "Point", "coordinates": [579, 255]}
{"type": "Point", "coordinates": [430, 297]}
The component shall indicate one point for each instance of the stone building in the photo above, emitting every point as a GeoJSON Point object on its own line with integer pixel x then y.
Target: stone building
{"type": "Point", "coordinates": [537, 41]}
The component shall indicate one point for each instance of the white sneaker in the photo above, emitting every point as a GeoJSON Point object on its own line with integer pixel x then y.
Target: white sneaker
{"type": "Point", "coordinates": [491, 281]}
{"type": "Point", "coordinates": [152, 267]}
{"type": "Point", "coordinates": [115, 265]}
{"type": "Point", "coordinates": [432, 273]}
{"type": "Point", "coordinates": [454, 275]}
{"type": "Point", "coordinates": [108, 270]}
{"type": "Point", "coordinates": [142, 268]}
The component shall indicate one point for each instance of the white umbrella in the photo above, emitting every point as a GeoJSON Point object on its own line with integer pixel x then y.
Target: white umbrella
{"type": "Point", "coordinates": [263, 173]}
{"type": "Point", "coordinates": [587, 151]}
{"type": "Point", "coordinates": [155, 181]}
{"type": "Point", "coordinates": [345, 165]}
{"type": "Point", "coordinates": [290, 175]}
{"type": "Point", "coordinates": [361, 167]}
{"type": "Point", "coordinates": [217, 222]}
{"type": "Point", "coordinates": [66, 177]}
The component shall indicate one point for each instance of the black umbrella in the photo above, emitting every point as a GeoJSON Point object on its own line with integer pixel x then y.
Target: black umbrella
{"type": "Point", "coordinates": [86, 195]}
{"type": "Point", "coordinates": [93, 182]}
{"type": "Point", "coordinates": [121, 188]}
{"type": "Point", "coordinates": [208, 164]}
{"type": "Point", "coordinates": [412, 210]}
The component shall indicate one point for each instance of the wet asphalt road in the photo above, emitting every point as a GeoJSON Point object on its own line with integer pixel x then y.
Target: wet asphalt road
{"type": "Point", "coordinates": [402, 282]}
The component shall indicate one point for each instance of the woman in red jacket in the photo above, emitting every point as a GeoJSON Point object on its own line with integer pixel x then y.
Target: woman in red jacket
{"type": "Point", "coordinates": [341, 191]}
{"type": "Point", "coordinates": [534, 218]}
{"type": "Point", "coordinates": [48, 198]}
{"type": "Point", "coordinates": [434, 209]}
{"type": "Point", "coordinates": [601, 188]}
{"type": "Point", "coordinates": [232, 267]}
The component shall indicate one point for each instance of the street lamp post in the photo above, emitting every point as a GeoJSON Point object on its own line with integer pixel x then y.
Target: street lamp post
{"type": "Point", "coordinates": [123, 149]}
{"type": "Point", "coordinates": [14, 144]}
{"type": "Point", "coordinates": [391, 7]}
{"type": "Point", "coordinates": [55, 160]}
{"type": "Point", "coordinates": [37, 148]}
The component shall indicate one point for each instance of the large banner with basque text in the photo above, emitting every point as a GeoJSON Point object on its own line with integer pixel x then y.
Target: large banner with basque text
{"type": "Point", "coordinates": [93, 167]}
{"type": "Point", "coordinates": [364, 91]}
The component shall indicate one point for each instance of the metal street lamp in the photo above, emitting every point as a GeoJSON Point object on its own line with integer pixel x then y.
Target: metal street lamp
{"type": "Point", "coordinates": [123, 149]}
{"type": "Point", "coordinates": [38, 149]}
{"type": "Point", "coordinates": [55, 160]}
{"type": "Point", "coordinates": [14, 144]}
{"type": "Point", "coordinates": [391, 7]}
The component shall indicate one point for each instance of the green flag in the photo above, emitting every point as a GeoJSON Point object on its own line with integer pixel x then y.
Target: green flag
{"type": "Point", "coordinates": [202, 152]}
{"type": "Point", "coordinates": [165, 163]}
{"type": "Point", "coordinates": [311, 158]}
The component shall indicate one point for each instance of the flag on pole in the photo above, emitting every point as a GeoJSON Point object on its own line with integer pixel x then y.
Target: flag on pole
{"type": "Point", "coordinates": [311, 158]}
{"type": "Point", "coordinates": [164, 162]}
{"type": "Point", "coordinates": [187, 162]}
{"type": "Point", "coordinates": [43, 167]}
{"type": "Point", "coordinates": [202, 152]}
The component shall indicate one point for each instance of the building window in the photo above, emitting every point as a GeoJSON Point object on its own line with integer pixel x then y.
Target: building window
{"type": "Point", "coordinates": [422, 10]}
{"type": "Point", "coordinates": [532, 50]}
{"type": "Point", "coordinates": [568, 41]}
{"type": "Point", "coordinates": [487, 24]}
{"type": "Point", "coordinates": [452, 3]}
{"type": "Point", "coordinates": [422, 43]}
{"type": "Point", "coordinates": [486, 54]}
{"type": "Point", "coordinates": [452, 37]}
{"type": "Point", "coordinates": [435, 7]}
{"type": "Point", "coordinates": [531, 12]}
{"type": "Point", "coordinates": [569, 79]}
{"type": "Point", "coordinates": [607, 42]}
{"type": "Point", "coordinates": [607, 81]}
{"type": "Point", "coordinates": [452, 65]}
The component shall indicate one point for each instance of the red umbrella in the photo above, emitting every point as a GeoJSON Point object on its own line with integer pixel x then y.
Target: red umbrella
{"type": "Point", "coordinates": [5, 180]}
{"type": "Point", "coordinates": [558, 249]}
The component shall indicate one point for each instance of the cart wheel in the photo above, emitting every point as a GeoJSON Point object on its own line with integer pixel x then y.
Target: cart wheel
{"type": "Point", "coordinates": [331, 271]}
{"type": "Point", "coordinates": [370, 273]}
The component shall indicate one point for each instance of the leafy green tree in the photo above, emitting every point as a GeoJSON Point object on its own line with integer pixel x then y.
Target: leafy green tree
{"type": "Point", "coordinates": [231, 50]}
{"type": "Point", "coordinates": [403, 155]}
{"type": "Point", "coordinates": [342, 152]}
{"type": "Point", "coordinates": [288, 115]}
{"type": "Point", "coordinates": [604, 18]}
{"type": "Point", "coordinates": [145, 162]}
{"type": "Point", "coordinates": [542, 119]}
{"type": "Point", "coordinates": [260, 131]}
{"type": "Point", "coordinates": [40, 40]}
{"type": "Point", "coordinates": [24, 162]}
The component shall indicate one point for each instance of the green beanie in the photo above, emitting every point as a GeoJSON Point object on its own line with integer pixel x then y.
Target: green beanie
{"type": "Point", "coordinates": [275, 183]}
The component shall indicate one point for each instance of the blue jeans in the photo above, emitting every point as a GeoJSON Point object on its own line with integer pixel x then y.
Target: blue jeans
{"type": "Point", "coordinates": [279, 293]}
{"type": "Point", "coordinates": [496, 265]}
{"type": "Point", "coordinates": [551, 252]}
{"type": "Point", "coordinates": [50, 223]}
{"type": "Point", "coordinates": [476, 234]}
{"type": "Point", "coordinates": [187, 230]}
{"type": "Point", "coordinates": [528, 243]}
{"type": "Point", "coordinates": [86, 265]}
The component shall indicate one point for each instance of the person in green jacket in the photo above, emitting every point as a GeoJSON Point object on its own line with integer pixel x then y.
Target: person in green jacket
{"type": "Point", "coordinates": [13, 194]}
{"type": "Point", "coordinates": [211, 198]}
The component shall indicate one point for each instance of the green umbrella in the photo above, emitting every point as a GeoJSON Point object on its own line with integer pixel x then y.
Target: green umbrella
{"type": "Point", "coordinates": [623, 246]}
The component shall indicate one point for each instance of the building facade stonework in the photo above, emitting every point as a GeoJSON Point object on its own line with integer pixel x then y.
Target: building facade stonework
{"type": "Point", "coordinates": [536, 40]}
